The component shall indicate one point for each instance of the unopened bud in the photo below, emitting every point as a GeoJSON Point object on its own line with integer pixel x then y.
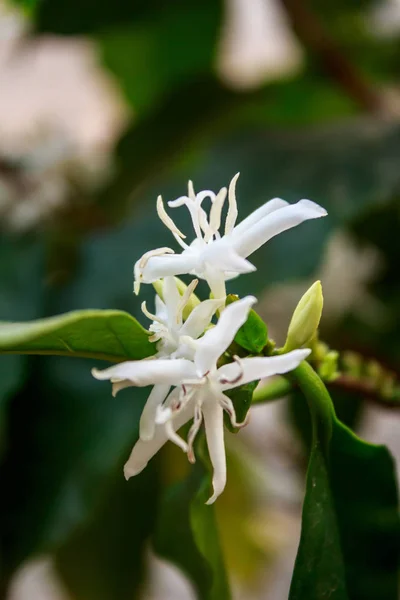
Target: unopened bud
{"type": "Point", "coordinates": [182, 287]}
{"type": "Point", "coordinates": [305, 319]}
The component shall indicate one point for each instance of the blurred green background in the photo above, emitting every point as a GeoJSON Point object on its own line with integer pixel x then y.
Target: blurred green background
{"type": "Point", "coordinates": [104, 105]}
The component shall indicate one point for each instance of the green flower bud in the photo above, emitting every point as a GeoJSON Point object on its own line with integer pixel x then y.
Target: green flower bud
{"type": "Point", "coordinates": [193, 300]}
{"type": "Point", "coordinates": [305, 319]}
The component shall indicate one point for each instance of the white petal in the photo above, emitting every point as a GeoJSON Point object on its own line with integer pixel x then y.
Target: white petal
{"type": "Point", "coordinates": [147, 420]}
{"type": "Point", "coordinates": [216, 340]}
{"type": "Point", "coordinates": [200, 318]}
{"type": "Point", "coordinates": [275, 223]}
{"type": "Point", "coordinates": [161, 309]}
{"type": "Point", "coordinates": [158, 267]}
{"type": "Point", "coordinates": [259, 367]}
{"type": "Point", "coordinates": [221, 255]}
{"type": "Point", "coordinates": [143, 451]}
{"type": "Point", "coordinates": [149, 372]}
{"type": "Point", "coordinates": [214, 425]}
{"type": "Point", "coordinates": [216, 281]}
{"type": "Point", "coordinates": [258, 214]}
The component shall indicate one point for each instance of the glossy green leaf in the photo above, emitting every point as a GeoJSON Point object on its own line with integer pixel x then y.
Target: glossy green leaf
{"type": "Point", "coordinates": [242, 398]}
{"type": "Point", "coordinates": [350, 510]}
{"type": "Point", "coordinates": [68, 440]}
{"type": "Point", "coordinates": [186, 533]}
{"type": "Point", "coordinates": [104, 559]}
{"type": "Point", "coordinates": [252, 335]}
{"type": "Point", "coordinates": [103, 334]}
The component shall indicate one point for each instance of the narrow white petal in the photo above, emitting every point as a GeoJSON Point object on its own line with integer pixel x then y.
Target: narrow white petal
{"type": "Point", "coordinates": [200, 318]}
{"type": "Point", "coordinates": [216, 340]}
{"type": "Point", "coordinates": [143, 451]}
{"type": "Point", "coordinates": [158, 267]}
{"type": "Point", "coordinates": [253, 369]}
{"type": "Point", "coordinates": [275, 223]}
{"type": "Point", "coordinates": [258, 214]}
{"type": "Point", "coordinates": [149, 372]}
{"type": "Point", "coordinates": [147, 420]}
{"type": "Point", "coordinates": [214, 425]}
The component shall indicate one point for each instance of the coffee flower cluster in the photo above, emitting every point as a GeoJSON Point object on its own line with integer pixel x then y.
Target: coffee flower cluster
{"type": "Point", "coordinates": [188, 383]}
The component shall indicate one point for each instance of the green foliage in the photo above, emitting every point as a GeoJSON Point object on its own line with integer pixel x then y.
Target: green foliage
{"type": "Point", "coordinates": [156, 39]}
{"type": "Point", "coordinates": [103, 560]}
{"type": "Point", "coordinates": [103, 334]}
{"type": "Point", "coordinates": [187, 535]}
{"type": "Point", "coordinates": [63, 438]}
{"type": "Point", "coordinates": [346, 520]}
{"type": "Point", "coordinates": [253, 335]}
{"type": "Point", "coordinates": [241, 397]}
{"type": "Point", "coordinates": [76, 437]}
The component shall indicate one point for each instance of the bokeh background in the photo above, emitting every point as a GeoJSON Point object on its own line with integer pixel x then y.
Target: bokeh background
{"type": "Point", "coordinates": [104, 105]}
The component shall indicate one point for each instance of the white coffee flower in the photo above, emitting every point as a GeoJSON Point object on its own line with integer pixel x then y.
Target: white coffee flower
{"type": "Point", "coordinates": [200, 391]}
{"type": "Point", "coordinates": [211, 256]}
{"type": "Point", "coordinates": [175, 339]}
{"type": "Point", "coordinates": [169, 330]}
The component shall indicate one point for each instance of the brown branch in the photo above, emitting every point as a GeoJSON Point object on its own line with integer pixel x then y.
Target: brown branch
{"type": "Point", "coordinates": [363, 387]}
{"type": "Point", "coordinates": [315, 38]}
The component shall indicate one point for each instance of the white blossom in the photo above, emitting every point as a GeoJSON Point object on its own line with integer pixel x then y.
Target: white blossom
{"type": "Point", "coordinates": [175, 339]}
{"type": "Point", "coordinates": [212, 256]}
{"type": "Point", "coordinates": [199, 391]}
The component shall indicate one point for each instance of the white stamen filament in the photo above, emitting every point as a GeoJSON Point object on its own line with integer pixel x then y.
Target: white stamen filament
{"type": "Point", "coordinates": [228, 407]}
{"type": "Point", "coordinates": [216, 210]}
{"type": "Point", "coordinates": [174, 437]}
{"type": "Point", "coordinates": [233, 210]}
{"type": "Point", "coordinates": [193, 431]}
{"type": "Point", "coordinates": [148, 314]}
{"type": "Point", "coordinates": [191, 192]}
{"type": "Point", "coordinates": [239, 376]}
{"type": "Point", "coordinates": [166, 219]}
{"type": "Point", "coordinates": [185, 299]}
{"type": "Point", "coordinates": [142, 262]}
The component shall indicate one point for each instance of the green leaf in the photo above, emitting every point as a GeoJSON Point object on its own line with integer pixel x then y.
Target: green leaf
{"type": "Point", "coordinates": [252, 335]}
{"type": "Point", "coordinates": [319, 570]}
{"type": "Point", "coordinates": [242, 398]}
{"type": "Point", "coordinates": [104, 560]}
{"type": "Point", "coordinates": [350, 510]}
{"type": "Point", "coordinates": [166, 65]}
{"type": "Point", "coordinates": [68, 439]}
{"type": "Point", "coordinates": [103, 334]}
{"type": "Point", "coordinates": [186, 533]}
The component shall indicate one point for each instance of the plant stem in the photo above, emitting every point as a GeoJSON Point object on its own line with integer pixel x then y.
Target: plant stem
{"type": "Point", "coordinates": [318, 399]}
{"type": "Point", "coordinates": [278, 388]}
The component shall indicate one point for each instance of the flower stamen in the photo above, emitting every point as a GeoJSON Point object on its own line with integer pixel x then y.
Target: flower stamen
{"type": "Point", "coordinates": [236, 379]}
{"type": "Point", "coordinates": [233, 210]}
{"type": "Point", "coordinates": [142, 262]}
{"type": "Point", "coordinates": [185, 299]}
{"type": "Point", "coordinates": [193, 431]}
